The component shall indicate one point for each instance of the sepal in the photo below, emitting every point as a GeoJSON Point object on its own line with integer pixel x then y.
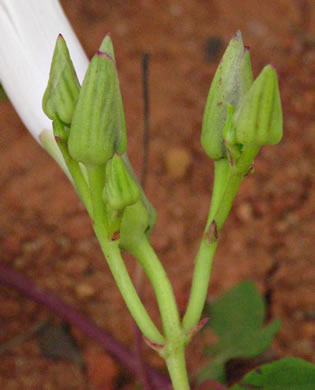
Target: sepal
{"type": "Point", "coordinates": [63, 87]}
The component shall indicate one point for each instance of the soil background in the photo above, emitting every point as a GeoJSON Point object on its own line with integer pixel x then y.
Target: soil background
{"type": "Point", "coordinates": [46, 234]}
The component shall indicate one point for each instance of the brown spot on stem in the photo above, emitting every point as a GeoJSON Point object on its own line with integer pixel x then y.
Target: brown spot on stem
{"type": "Point", "coordinates": [211, 235]}
{"type": "Point", "coordinates": [250, 171]}
{"type": "Point", "coordinates": [58, 139]}
{"type": "Point", "coordinates": [115, 236]}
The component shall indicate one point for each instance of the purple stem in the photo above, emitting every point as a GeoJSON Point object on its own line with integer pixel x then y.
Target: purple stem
{"type": "Point", "coordinates": [13, 279]}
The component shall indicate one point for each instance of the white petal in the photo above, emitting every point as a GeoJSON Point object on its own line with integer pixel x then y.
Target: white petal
{"type": "Point", "coordinates": [28, 31]}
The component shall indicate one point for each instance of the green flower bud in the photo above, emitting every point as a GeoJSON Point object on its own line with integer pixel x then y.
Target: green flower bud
{"type": "Point", "coordinates": [258, 119]}
{"type": "Point", "coordinates": [152, 214]}
{"type": "Point", "coordinates": [134, 220]}
{"type": "Point", "coordinates": [120, 189]}
{"type": "Point", "coordinates": [63, 86]}
{"type": "Point", "coordinates": [107, 47]}
{"type": "Point", "coordinates": [96, 127]}
{"type": "Point", "coordinates": [231, 82]}
{"type": "Point", "coordinates": [134, 224]}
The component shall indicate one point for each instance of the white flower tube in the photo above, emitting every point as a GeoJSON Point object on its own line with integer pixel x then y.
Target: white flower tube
{"type": "Point", "coordinates": [28, 30]}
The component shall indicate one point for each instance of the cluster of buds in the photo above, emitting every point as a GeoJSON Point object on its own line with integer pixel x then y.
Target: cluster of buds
{"type": "Point", "coordinates": [89, 127]}
{"type": "Point", "coordinates": [241, 113]}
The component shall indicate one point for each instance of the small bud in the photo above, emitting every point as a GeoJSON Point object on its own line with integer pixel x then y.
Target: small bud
{"type": "Point", "coordinates": [152, 214]}
{"type": "Point", "coordinates": [63, 86]}
{"type": "Point", "coordinates": [232, 80]}
{"type": "Point", "coordinates": [258, 119]}
{"type": "Point", "coordinates": [96, 127]}
{"type": "Point", "coordinates": [120, 189]}
{"type": "Point", "coordinates": [134, 224]}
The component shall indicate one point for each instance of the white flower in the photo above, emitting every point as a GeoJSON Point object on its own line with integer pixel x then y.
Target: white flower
{"type": "Point", "coordinates": [28, 31]}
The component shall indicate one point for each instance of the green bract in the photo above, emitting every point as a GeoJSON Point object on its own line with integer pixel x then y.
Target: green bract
{"type": "Point", "coordinates": [96, 129]}
{"type": "Point", "coordinates": [120, 189]}
{"type": "Point", "coordinates": [231, 82]}
{"type": "Point", "coordinates": [63, 86]}
{"type": "Point", "coordinates": [258, 119]}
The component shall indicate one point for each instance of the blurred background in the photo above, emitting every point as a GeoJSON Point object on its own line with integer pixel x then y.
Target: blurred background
{"type": "Point", "coordinates": [46, 234]}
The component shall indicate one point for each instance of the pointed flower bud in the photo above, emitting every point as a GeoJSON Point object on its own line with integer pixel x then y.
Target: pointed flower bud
{"type": "Point", "coordinates": [231, 82]}
{"type": "Point", "coordinates": [95, 132]}
{"type": "Point", "coordinates": [120, 189]}
{"type": "Point", "coordinates": [107, 47]}
{"type": "Point", "coordinates": [258, 119]}
{"type": "Point", "coordinates": [63, 86]}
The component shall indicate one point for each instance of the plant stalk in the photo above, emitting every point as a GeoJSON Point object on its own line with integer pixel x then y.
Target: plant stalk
{"type": "Point", "coordinates": [173, 349]}
{"type": "Point", "coordinates": [226, 185]}
{"type": "Point", "coordinates": [114, 260]}
{"type": "Point", "coordinates": [176, 365]}
{"type": "Point", "coordinates": [117, 266]}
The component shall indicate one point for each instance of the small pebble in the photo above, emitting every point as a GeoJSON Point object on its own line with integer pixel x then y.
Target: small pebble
{"type": "Point", "coordinates": [76, 265]}
{"type": "Point", "coordinates": [85, 290]}
{"type": "Point", "coordinates": [245, 212]}
{"type": "Point", "coordinates": [177, 162]}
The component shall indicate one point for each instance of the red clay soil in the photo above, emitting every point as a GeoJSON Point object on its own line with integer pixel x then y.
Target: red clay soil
{"type": "Point", "coordinates": [46, 234]}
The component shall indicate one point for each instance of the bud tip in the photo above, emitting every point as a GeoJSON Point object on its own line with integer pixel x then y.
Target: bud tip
{"type": "Point", "coordinates": [100, 53]}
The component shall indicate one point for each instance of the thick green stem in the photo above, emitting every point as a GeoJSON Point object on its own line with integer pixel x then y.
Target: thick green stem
{"type": "Point", "coordinates": [117, 266]}
{"type": "Point", "coordinates": [154, 270]}
{"type": "Point", "coordinates": [176, 366]}
{"type": "Point", "coordinates": [173, 351]}
{"type": "Point", "coordinates": [226, 203]}
{"type": "Point", "coordinates": [96, 176]}
{"type": "Point", "coordinates": [80, 182]}
{"type": "Point", "coordinates": [204, 259]}
{"type": "Point", "coordinates": [200, 284]}
{"type": "Point", "coordinates": [221, 175]}
{"type": "Point", "coordinates": [113, 256]}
